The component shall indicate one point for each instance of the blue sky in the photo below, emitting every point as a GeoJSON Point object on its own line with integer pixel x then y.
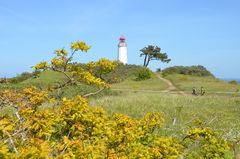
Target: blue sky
{"type": "Point", "coordinates": [205, 32]}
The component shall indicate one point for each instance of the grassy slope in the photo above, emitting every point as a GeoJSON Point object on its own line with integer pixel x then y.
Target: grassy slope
{"type": "Point", "coordinates": [48, 78]}
{"type": "Point", "coordinates": [210, 84]}
{"type": "Point", "coordinates": [219, 112]}
{"type": "Point", "coordinates": [45, 79]}
{"type": "Point", "coordinates": [51, 78]}
{"type": "Point", "coordinates": [151, 84]}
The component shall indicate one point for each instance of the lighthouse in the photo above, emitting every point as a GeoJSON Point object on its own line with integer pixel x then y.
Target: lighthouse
{"type": "Point", "coordinates": [122, 50]}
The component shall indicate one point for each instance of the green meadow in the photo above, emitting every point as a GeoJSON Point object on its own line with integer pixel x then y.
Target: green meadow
{"type": "Point", "coordinates": [218, 111]}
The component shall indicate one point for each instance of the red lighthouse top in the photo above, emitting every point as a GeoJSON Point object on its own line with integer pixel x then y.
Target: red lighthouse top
{"type": "Point", "coordinates": [122, 38]}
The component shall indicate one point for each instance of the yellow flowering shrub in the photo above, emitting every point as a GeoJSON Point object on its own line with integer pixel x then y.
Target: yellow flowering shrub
{"type": "Point", "coordinates": [80, 45]}
{"type": "Point", "coordinates": [41, 66]}
{"type": "Point", "coordinates": [75, 73]}
{"type": "Point", "coordinates": [88, 78]}
{"type": "Point", "coordinates": [102, 67]}
{"type": "Point", "coordinates": [205, 142]}
{"type": "Point", "coordinates": [72, 129]}
{"type": "Point", "coordinates": [9, 98]}
{"type": "Point", "coordinates": [35, 97]}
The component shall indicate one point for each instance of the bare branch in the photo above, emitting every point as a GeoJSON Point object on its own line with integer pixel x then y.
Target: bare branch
{"type": "Point", "coordinates": [12, 143]}
{"type": "Point", "coordinates": [23, 134]}
{"type": "Point", "coordinates": [63, 85]}
{"type": "Point", "coordinates": [94, 93]}
{"type": "Point", "coordinates": [65, 66]}
{"type": "Point", "coordinates": [65, 148]}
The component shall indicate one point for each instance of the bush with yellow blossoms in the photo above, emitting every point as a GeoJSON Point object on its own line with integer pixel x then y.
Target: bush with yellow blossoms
{"type": "Point", "coordinates": [102, 67]}
{"type": "Point", "coordinates": [205, 142]}
{"type": "Point", "coordinates": [76, 74]}
{"type": "Point", "coordinates": [70, 128]}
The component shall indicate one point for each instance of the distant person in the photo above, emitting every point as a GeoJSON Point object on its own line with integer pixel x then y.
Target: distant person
{"type": "Point", "coordinates": [194, 91]}
{"type": "Point", "coordinates": [202, 91]}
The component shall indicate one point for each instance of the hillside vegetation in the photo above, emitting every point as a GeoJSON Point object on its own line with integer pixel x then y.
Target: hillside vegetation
{"type": "Point", "coordinates": [210, 83]}
{"type": "Point", "coordinates": [197, 70]}
{"type": "Point", "coordinates": [123, 76]}
{"type": "Point", "coordinates": [122, 72]}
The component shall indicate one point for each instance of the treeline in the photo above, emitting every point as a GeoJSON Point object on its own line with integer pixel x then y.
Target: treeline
{"type": "Point", "coordinates": [197, 70]}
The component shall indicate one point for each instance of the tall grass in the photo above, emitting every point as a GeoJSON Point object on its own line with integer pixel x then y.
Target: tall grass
{"type": "Point", "coordinates": [220, 113]}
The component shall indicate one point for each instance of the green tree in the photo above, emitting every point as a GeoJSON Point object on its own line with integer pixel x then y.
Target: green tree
{"type": "Point", "coordinates": [153, 53]}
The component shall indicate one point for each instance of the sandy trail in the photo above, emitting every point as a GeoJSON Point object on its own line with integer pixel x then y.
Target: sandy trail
{"type": "Point", "coordinates": [171, 87]}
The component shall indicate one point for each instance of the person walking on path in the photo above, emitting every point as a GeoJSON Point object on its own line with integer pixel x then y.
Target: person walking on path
{"type": "Point", "coordinates": [194, 91]}
{"type": "Point", "coordinates": [202, 91]}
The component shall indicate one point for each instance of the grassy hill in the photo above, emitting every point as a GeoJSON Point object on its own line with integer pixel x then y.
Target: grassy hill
{"type": "Point", "coordinates": [50, 78]}
{"type": "Point", "coordinates": [210, 83]}
{"type": "Point", "coordinates": [43, 80]}
{"type": "Point", "coordinates": [122, 77]}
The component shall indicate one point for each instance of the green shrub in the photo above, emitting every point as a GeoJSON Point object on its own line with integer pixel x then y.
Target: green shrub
{"type": "Point", "coordinates": [159, 70]}
{"type": "Point", "coordinates": [24, 76]}
{"type": "Point", "coordinates": [233, 82]}
{"type": "Point", "coordinates": [143, 74]}
{"type": "Point", "coordinates": [122, 72]}
{"type": "Point", "coordinates": [187, 70]}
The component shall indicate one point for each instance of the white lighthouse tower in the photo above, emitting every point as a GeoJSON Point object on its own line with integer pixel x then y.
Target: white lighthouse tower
{"type": "Point", "coordinates": [122, 50]}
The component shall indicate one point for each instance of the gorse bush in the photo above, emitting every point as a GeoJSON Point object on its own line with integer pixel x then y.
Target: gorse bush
{"type": "Point", "coordinates": [72, 129]}
{"type": "Point", "coordinates": [187, 70]}
{"type": "Point", "coordinates": [101, 67]}
{"type": "Point", "coordinates": [143, 74]}
{"type": "Point", "coordinates": [205, 142]}
{"type": "Point", "coordinates": [77, 74]}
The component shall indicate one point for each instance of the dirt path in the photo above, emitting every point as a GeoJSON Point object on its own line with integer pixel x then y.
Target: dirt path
{"type": "Point", "coordinates": [171, 87]}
